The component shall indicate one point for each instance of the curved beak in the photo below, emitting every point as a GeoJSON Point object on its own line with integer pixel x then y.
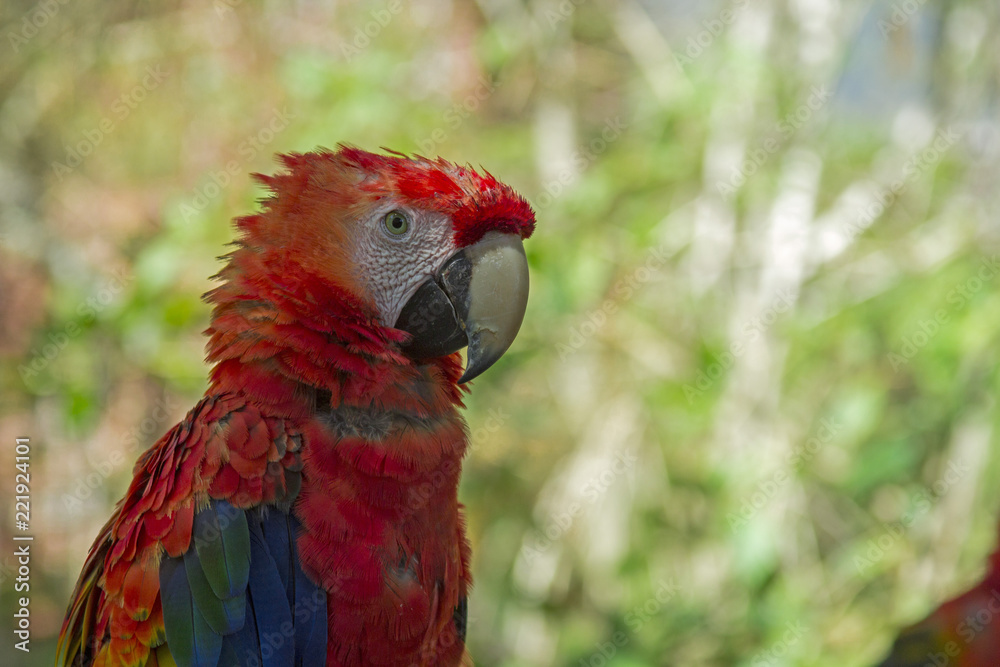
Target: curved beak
{"type": "Point", "coordinates": [477, 299]}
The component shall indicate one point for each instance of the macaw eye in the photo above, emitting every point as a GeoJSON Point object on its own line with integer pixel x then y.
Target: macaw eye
{"type": "Point", "coordinates": [396, 223]}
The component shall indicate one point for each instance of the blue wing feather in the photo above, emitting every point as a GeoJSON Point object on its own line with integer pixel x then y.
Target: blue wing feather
{"type": "Point", "coordinates": [245, 644]}
{"type": "Point", "coordinates": [310, 612]}
{"type": "Point", "coordinates": [276, 528]}
{"type": "Point", "coordinates": [189, 636]}
{"type": "Point", "coordinates": [269, 604]}
{"type": "Point", "coordinates": [307, 601]}
{"type": "Point", "coordinates": [229, 657]}
{"type": "Point", "coordinates": [277, 618]}
{"type": "Point", "coordinates": [222, 542]}
{"type": "Point", "coordinates": [224, 616]}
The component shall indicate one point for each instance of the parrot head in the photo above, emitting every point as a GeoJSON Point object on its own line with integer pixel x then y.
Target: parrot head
{"type": "Point", "coordinates": [419, 245]}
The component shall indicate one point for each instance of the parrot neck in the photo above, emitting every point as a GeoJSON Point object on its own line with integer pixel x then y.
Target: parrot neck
{"type": "Point", "coordinates": [278, 339]}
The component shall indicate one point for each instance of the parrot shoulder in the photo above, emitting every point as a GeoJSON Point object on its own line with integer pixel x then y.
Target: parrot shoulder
{"type": "Point", "coordinates": [186, 505]}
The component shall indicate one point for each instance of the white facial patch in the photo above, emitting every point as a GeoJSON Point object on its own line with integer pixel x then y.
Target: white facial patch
{"type": "Point", "coordinates": [394, 266]}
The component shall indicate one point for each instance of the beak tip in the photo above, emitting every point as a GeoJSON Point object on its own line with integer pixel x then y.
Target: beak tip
{"type": "Point", "coordinates": [476, 366]}
{"type": "Point", "coordinates": [481, 355]}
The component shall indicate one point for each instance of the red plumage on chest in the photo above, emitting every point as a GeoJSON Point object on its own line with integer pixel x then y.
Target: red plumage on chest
{"type": "Point", "coordinates": [385, 536]}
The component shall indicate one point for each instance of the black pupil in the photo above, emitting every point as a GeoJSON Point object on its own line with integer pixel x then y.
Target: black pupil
{"type": "Point", "coordinates": [396, 222]}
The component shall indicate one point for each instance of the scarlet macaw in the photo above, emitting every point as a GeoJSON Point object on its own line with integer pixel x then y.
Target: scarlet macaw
{"type": "Point", "coordinates": [306, 511]}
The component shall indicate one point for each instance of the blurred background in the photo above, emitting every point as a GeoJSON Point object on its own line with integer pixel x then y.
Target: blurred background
{"type": "Point", "coordinates": [751, 416]}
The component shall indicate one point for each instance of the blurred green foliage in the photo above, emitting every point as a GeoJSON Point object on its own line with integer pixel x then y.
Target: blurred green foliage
{"type": "Point", "coordinates": [751, 416]}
